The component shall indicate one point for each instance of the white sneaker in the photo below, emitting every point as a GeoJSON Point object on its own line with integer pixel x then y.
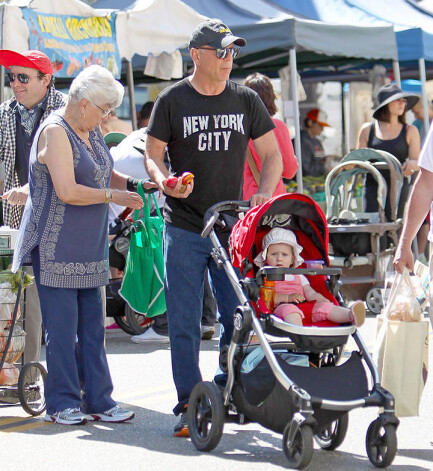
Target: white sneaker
{"type": "Point", "coordinates": [67, 417]}
{"type": "Point", "coordinates": [115, 415]}
{"type": "Point", "coordinates": [150, 336]}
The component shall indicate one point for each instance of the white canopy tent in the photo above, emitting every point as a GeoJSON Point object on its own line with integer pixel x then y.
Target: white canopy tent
{"type": "Point", "coordinates": [150, 27]}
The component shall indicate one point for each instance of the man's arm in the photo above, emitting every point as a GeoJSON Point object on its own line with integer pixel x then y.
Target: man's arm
{"type": "Point", "coordinates": [158, 173]}
{"type": "Point", "coordinates": [272, 167]}
{"type": "Point", "coordinates": [419, 205]}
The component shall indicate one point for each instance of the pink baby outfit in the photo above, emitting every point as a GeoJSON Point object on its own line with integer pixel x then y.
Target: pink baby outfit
{"type": "Point", "coordinates": [294, 284]}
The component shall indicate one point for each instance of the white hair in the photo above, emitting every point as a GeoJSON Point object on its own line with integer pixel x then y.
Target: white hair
{"type": "Point", "coordinates": [97, 85]}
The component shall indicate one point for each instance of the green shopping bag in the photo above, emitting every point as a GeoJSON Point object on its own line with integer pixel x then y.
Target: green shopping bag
{"type": "Point", "coordinates": [143, 280]}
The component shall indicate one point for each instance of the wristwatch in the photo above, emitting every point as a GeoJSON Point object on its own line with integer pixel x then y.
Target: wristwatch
{"type": "Point", "coordinates": [108, 195]}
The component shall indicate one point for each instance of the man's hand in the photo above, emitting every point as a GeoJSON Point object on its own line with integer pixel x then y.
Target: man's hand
{"type": "Point", "coordinates": [403, 258]}
{"type": "Point", "coordinates": [259, 198]}
{"type": "Point", "coordinates": [176, 191]}
{"type": "Point", "coordinates": [17, 196]}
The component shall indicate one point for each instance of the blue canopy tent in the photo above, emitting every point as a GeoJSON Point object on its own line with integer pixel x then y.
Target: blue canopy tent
{"type": "Point", "coordinates": [413, 26]}
{"type": "Point", "coordinates": [304, 43]}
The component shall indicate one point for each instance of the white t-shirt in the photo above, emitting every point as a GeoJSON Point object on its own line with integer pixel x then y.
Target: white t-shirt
{"type": "Point", "coordinates": [129, 161]}
{"type": "Point", "coordinates": [425, 160]}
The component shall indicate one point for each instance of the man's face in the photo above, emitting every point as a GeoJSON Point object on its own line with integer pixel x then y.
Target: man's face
{"type": "Point", "coordinates": [316, 128]}
{"type": "Point", "coordinates": [215, 69]}
{"type": "Point", "coordinates": [31, 93]}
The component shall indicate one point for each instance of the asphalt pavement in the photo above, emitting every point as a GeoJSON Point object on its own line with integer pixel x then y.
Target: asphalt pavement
{"type": "Point", "coordinates": [143, 382]}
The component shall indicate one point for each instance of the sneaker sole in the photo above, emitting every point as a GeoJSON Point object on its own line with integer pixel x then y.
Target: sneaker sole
{"type": "Point", "coordinates": [113, 420]}
{"type": "Point", "coordinates": [162, 340]}
{"type": "Point", "coordinates": [184, 433]}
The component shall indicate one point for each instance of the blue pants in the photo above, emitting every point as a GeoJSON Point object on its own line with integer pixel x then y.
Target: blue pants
{"type": "Point", "coordinates": [186, 256]}
{"type": "Point", "coordinates": [66, 314]}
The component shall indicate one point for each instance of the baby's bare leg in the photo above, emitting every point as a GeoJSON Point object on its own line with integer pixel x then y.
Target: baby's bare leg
{"type": "Point", "coordinates": [293, 318]}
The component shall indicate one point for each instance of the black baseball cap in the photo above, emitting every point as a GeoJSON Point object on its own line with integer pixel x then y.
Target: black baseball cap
{"type": "Point", "coordinates": [214, 33]}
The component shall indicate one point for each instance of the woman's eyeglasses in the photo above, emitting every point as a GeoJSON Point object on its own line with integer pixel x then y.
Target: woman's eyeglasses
{"type": "Point", "coordinates": [104, 113]}
{"type": "Point", "coordinates": [222, 53]}
{"type": "Point", "coordinates": [23, 78]}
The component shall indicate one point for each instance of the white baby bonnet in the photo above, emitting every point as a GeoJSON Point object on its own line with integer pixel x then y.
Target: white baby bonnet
{"type": "Point", "coordinates": [279, 235]}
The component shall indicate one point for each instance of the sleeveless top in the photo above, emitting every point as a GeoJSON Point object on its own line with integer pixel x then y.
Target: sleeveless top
{"type": "Point", "coordinates": [398, 146]}
{"type": "Point", "coordinates": [72, 239]}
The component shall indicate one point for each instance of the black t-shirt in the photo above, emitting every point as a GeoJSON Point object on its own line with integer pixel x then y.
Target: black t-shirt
{"type": "Point", "coordinates": [208, 136]}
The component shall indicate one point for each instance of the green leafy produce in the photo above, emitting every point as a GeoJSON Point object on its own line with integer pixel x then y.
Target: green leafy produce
{"type": "Point", "coordinates": [15, 278]}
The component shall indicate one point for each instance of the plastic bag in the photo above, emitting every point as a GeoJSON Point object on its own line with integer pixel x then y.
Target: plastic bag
{"type": "Point", "coordinates": [404, 305]}
{"type": "Point", "coordinates": [9, 375]}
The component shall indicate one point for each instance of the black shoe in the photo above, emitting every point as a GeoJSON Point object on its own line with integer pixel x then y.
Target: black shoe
{"type": "Point", "coordinates": [207, 332]}
{"type": "Point", "coordinates": [181, 428]}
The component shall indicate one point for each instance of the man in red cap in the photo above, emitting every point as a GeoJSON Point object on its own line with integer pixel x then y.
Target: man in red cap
{"type": "Point", "coordinates": [31, 79]}
{"type": "Point", "coordinates": [313, 154]}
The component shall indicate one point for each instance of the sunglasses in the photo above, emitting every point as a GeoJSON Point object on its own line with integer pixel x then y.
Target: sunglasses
{"type": "Point", "coordinates": [104, 113]}
{"type": "Point", "coordinates": [222, 53]}
{"type": "Point", "coordinates": [23, 78]}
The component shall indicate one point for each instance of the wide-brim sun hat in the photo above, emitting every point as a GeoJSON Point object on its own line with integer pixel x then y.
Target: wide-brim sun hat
{"type": "Point", "coordinates": [391, 92]}
{"type": "Point", "coordinates": [279, 235]}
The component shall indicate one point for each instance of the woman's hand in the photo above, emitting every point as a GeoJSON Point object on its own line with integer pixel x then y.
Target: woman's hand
{"type": "Point", "coordinates": [295, 298]}
{"type": "Point", "coordinates": [410, 166]}
{"type": "Point", "coordinates": [17, 196]}
{"type": "Point", "coordinates": [127, 198]}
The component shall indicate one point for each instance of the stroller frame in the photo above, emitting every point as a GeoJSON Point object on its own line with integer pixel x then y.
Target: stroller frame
{"type": "Point", "coordinates": [208, 399]}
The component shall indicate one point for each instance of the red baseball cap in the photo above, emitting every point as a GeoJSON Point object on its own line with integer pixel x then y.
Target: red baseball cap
{"type": "Point", "coordinates": [318, 116]}
{"type": "Point", "coordinates": [33, 59]}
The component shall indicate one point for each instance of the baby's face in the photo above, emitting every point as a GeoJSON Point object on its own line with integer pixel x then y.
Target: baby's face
{"type": "Point", "coordinates": [280, 255]}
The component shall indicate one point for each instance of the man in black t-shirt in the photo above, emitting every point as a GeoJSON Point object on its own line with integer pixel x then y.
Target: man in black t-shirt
{"type": "Point", "coordinates": [206, 122]}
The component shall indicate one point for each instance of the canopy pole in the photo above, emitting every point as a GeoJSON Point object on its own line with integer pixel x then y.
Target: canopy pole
{"type": "Point", "coordinates": [396, 72]}
{"type": "Point", "coordinates": [343, 123]}
{"type": "Point", "coordinates": [130, 80]}
{"type": "Point", "coordinates": [422, 75]}
{"type": "Point", "coordinates": [294, 80]}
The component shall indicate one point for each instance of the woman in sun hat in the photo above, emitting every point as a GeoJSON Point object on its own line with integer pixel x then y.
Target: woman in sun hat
{"type": "Point", "coordinates": [389, 132]}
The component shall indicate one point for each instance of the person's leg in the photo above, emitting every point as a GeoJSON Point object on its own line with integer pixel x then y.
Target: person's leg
{"type": "Point", "coordinates": [227, 302]}
{"type": "Point", "coordinates": [160, 324]}
{"type": "Point", "coordinates": [289, 313]}
{"type": "Point", "coordinates": [327, 311]}
{"type": "Point", "coordinates": [32, 322]}
{"type": "Point", "coordinates": [186, 255]}
{"type": "Point", "coordinates": [60, 317]}
{"type": "Point", "coordinates": [97, 379]}
{"type": "Point", "coordinates": [209, 314]}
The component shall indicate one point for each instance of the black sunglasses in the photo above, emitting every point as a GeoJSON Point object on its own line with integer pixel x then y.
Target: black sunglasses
{"type": "Point", "coordinates": [23, 78]}
{"type": "Point", "coordinates": [222, 53]}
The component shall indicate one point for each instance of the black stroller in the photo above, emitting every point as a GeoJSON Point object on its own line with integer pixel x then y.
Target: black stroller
{"type": "Point", "coordinates": [295, 383]}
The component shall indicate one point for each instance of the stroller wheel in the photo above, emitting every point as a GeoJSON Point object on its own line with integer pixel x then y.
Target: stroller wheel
{"type": "Point", "coordinates": [333, 434]}
{"type": "Point", "coordinates": [205, 416]}
{"type": "Point", "coordinates": [31, 382]}
{"type": "Point", "coordinates": [374, 300]}
{"type": "Point", "coordinates": [381, 443]}
{"type": "Point", "coordinates": [138, 323]}
{"type": "Point", "coordinates": [300, 451]}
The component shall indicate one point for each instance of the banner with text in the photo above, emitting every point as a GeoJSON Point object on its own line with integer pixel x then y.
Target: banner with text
{"type": "Point", "coordinates": [74, 42]}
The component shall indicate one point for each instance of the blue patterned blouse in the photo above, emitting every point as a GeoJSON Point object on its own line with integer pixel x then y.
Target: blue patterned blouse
{"type": "Point", "coordinates": [72, 240]}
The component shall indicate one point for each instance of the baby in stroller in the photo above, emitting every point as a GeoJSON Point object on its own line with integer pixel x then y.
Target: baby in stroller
{"type": "Point", "coordinates": [295, 299]}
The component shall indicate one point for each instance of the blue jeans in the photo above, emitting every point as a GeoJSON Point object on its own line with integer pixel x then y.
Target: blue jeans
{"type": "Point", "coordinates": [66, 314]}
{"type": "Point", "coordinates": [186, 256]}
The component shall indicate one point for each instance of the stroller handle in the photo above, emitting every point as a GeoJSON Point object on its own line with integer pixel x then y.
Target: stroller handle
{"type": "Point", "coordinates": [277, 273]}
{"type": "Point", "coordinates": [212, 214]}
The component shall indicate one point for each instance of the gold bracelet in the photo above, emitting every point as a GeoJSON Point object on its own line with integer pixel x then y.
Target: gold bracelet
{"type": "Point", "coordinates": [108, 195]}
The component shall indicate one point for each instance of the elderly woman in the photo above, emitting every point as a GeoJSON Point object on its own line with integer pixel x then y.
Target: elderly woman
{"type": "Point", "coordinates": [64, 235]}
